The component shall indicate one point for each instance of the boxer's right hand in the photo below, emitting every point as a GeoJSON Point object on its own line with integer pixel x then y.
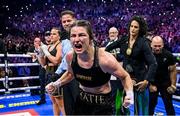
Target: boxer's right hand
{"type": "Point", "coordinates": [50, 87]}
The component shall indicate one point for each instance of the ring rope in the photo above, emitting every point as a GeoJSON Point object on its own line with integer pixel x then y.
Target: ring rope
{"type": "Point", "coordinates": [2, 90]}
{"type": "Point", "coordinates": [24, 88]}
{"type": "Point", "coordinates": [20, 64]}
{"type": "Point", "coordinates": [20, 88]}
{"type": "Point", "coordinates": [16, 55]}
{"type": "Point", "coordinates": [176, 97]}
{"type": "Point", "coordinates": [20, 78]}
{"type": "Point", "coordinates": [176, 54]}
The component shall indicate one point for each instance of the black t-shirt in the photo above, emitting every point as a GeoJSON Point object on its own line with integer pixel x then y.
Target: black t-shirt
{"type": "Point", "coordinates": [164, 60]}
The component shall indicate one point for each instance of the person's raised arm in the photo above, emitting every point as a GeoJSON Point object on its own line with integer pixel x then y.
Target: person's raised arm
{"type": "Point", "coordinates": [55, 60]}
{"type": "Point", "coordinates": [39, 54]}
{"type": "Point", "coordinates": [116, 44]}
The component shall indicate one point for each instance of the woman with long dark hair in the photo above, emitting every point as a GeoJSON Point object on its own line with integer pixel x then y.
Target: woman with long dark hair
{"type": "Point", "coordinates": [139, 61]}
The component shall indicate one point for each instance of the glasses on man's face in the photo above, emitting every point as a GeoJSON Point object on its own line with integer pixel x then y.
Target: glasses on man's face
{"type": "Point", "coordinates": [112, 32]}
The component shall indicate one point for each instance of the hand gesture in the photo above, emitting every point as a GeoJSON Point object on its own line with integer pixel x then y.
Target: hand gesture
{"type": "Point", "coordinates": [141, 86]}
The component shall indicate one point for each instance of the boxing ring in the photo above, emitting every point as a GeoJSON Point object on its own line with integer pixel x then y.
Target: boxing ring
{"type": "Point", "coordinates": [6, 67]}
{"type": "Point", "coordinates": [6, 78]}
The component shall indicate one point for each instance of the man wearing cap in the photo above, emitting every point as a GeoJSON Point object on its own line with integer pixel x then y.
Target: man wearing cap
{"type": "Point", "coordinates": [47, 37]}
{"type": "Point", "coordinates": [42, 72]}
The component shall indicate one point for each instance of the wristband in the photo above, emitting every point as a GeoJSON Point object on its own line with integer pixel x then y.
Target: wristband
{"type": "Point", "coordinates": [174, 87]}
{"type": "Point", "coordinates": [45, 49]}
{"type": "Point", "coordinates": [131, 95]}
{"type": "Point", "coordinates": [46, 53]}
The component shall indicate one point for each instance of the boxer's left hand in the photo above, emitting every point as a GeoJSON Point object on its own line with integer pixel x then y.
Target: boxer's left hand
{"type": "Point", "coordinates": [129, 99]}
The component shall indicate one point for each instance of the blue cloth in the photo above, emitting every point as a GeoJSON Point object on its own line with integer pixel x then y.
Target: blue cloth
{"type": "Point", "coordinates": [66, 47]}
{"type": "Point", "coordinates": [141, 102]}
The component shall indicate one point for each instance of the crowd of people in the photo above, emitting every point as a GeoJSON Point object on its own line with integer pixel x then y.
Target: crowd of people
{"type": "Point", "coordinates": [103, 15]}
{"type": "Point", "coordinates": [83, 46]}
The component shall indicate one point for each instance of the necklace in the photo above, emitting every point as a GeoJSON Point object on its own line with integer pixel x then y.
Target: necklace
{"type": "Point", "coordinates": [130, 45]}
{"type": "Point", "coordinates": [129, 51]}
